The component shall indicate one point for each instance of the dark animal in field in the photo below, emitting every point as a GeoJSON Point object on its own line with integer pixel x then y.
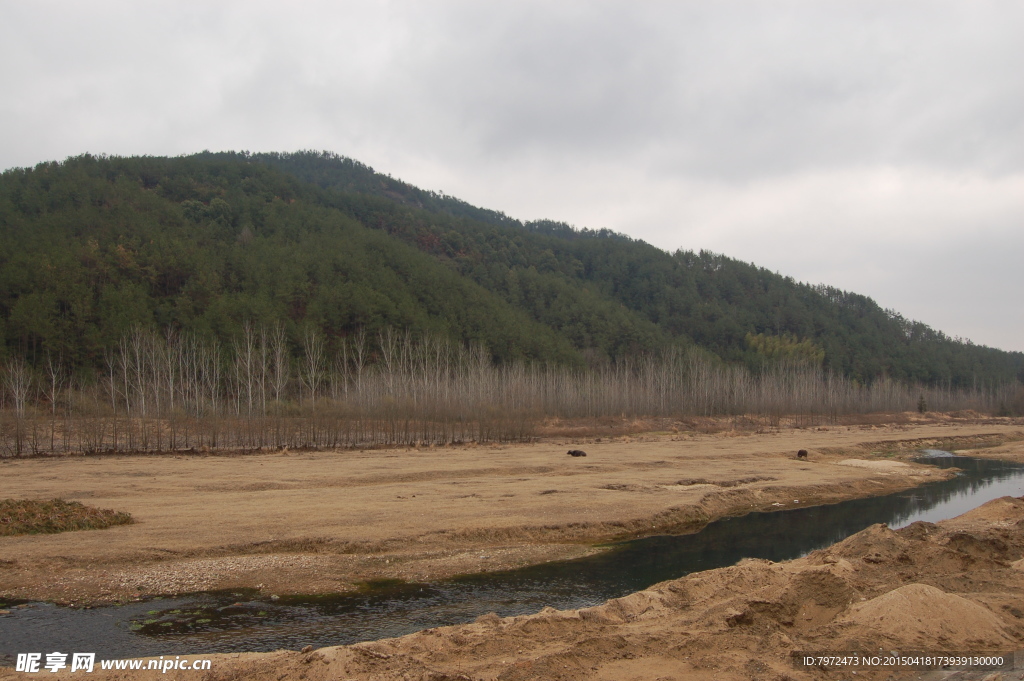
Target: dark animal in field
{"type": "Point", "coordinates": [577, 452]}
{"type": "Point", "coordinates": [802, 454]}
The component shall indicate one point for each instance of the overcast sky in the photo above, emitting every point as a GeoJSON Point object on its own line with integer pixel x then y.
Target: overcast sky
{"type": "Point", "coordinates": [873, 146]}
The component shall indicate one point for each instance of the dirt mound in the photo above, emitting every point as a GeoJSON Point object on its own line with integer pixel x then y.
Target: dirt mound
{"type": "Point", "coordinates": [984, 547]}
{"type": "Point", "coordinates": [919, 614]}
{"type": "Point", "coordinates": [919, 530]}
{"type": "Point", "coordinates": [820, 586]}
{"type": "Point", "coordinates": [875, 545]}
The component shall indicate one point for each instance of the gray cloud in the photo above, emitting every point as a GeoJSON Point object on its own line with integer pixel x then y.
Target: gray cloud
{"type": "Point", "coordinates": [874, 145]}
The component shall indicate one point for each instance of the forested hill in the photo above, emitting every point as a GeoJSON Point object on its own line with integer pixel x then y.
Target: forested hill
{"type": "Point", "coordinates": [92, 246]}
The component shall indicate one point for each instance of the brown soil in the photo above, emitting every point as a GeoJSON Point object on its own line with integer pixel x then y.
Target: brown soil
{"type": "Point", "coordinates": [321, 522]}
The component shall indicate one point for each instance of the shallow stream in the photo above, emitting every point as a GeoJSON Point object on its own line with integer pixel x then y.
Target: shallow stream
{"type": "Point", "coordinates": [242, 621]}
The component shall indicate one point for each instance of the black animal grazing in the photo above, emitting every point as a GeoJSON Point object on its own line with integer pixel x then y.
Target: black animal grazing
{"type": "Point", "coordinates": [577, 452]}
{"type": "Point", "coordinates": [802, 454]}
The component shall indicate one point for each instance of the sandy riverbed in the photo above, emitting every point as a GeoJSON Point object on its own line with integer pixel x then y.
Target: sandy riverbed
{"type": "Point", "coordinates": [955, 586]}
{"type": "Point", "coordinates": [322, 522]}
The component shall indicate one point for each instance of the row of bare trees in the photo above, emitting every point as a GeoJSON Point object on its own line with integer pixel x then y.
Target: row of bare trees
{"type": "Point", "coordinates": [177, 392]}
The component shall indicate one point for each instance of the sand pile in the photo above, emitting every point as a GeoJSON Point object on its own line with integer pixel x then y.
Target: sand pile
{"type": "Point", "coordinates": [928, 618]}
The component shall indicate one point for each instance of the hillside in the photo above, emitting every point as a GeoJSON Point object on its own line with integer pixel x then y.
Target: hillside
{"type": "Point", "coordinates": [92, 246]}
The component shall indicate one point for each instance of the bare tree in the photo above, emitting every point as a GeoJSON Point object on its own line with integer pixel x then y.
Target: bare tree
{"type": "Point", "coordinates": [314, 364]}
{"type": "Point", "coordinates": [53, 388]}
{"type": "Point", "coordinates": [245, 371]}
{"type": "Point", "coordinates": [280, 363]}
{"type": "Point", "coordinates": [18, 381]}
{"type": "Point", "coordinates": [359, 357]}
{"type": "Point", "coordinates": [388, 343]}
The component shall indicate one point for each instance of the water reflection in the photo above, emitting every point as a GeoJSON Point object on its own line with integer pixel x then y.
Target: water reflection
{"type": "Point", "coordinates": [232, 621]}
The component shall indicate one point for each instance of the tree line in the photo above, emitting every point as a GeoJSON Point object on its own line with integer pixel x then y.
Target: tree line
{"type": "Point", "coordinates": [179, 392]}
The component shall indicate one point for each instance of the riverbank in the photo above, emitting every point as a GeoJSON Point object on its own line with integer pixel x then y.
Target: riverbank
{"type": "Point", "coordinates": [326, 522]}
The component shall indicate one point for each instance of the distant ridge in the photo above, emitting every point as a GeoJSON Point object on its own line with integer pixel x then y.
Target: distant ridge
{"type": "Point", "coordinates": [94, 245]}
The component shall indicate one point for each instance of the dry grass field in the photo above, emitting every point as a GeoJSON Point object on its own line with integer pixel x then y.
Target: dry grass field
{"type": "Point", "coordinates": [322, 522]}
